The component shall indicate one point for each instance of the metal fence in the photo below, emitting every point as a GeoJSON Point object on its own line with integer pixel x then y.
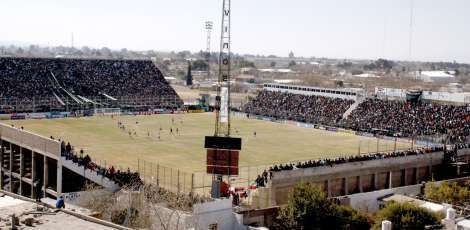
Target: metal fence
{"type": "Point", "coordinates": [172, 179]}
{"type": "Point", "coordinates": [200, 182]}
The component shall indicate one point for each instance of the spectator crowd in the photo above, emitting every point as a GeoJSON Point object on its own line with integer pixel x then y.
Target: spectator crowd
{"type": "Point", "coordinates": [263, 178]}
{"type": "Point", "coordinates": [122, 178]}
{"type": "Point", "coordinates": [28, 78]}
{"type": "Point", "coordinates": [311, 109]}
{"type": "Point", "coordinates": [388, 117]}
{"type": "Point", "coordinates": [406, 119]}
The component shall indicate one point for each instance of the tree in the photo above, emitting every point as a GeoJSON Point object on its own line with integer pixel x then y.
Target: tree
{"type": "Point", "coordinates": [291, 54]}
{"type": "Point", "coordinates": [183, 54]}
{"type": "Point", "coordinates": [448, 193]}
{"type": "Point", "coordinates": [349, 218]}
{"type": "Point", "coordinates": [380, 64]}
{"type": "Point", "coordinates": [200, 65]}
{"type": "Point", "coordinates": [356, 72]}
{"type": "Point", "coordinates": [292, 63]}
{"type": "Point", "coordinates": [308, 208]}
{"type": "Point", "coordinates": [189, 75]}
{"type": "Point", "coordinates": [272, 64]}
{"type": "Point", "coordinates": [105, 51]}
{"type": "Point", "coordinates": [246, 64]}
{"type": "Point", "coordinates": [406, 216]}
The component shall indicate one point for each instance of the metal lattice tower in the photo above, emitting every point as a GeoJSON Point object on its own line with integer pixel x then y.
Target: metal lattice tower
{"type": "Point", "coordinates": [209, 26]}
{"type": "Point", "coordinates": [222, 108]}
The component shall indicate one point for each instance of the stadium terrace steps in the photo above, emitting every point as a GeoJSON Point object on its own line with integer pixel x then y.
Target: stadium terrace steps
{"type": "Point", "coordinates": [45, 84]}
{"type": "Point", "coordinates": [90, 175]}
{"type": "Point", "coordinates": [353, 107]}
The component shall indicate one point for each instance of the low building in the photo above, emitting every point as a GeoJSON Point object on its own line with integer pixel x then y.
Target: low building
{"type": "Point", "coordinates": [29, 214]}
{"type": "Point", "coordinates": [435, 76]}
{"type": "Point", "coordinates": [276, 70]}
{"type": "Point", "coordinates": [366, 75]}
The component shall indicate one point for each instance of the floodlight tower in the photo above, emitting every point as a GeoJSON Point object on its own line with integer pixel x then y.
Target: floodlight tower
{"type": "Point", "coordinates": [209, 26]}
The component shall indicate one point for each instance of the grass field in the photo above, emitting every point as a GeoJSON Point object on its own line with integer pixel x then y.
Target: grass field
{"type": "Point", "coordinates": [101, 138]}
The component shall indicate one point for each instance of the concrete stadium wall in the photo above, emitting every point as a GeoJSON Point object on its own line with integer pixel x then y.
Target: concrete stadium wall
{"type": "Point", "coordinates": [358, 177]}
{"type": "Point", "coordinates": [27, 158]}
{"type": "Point", "coordinates": [34, 142]}
{"type": "Point", "coordinates": [90, 175]}
{"type": "Point", "coordinates": [368, 202]}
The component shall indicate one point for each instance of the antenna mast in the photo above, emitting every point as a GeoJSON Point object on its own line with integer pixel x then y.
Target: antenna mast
{"type": "Point", "coordinates": [223, 150]}
{"type": "Point", "coordinates": [222, 108]}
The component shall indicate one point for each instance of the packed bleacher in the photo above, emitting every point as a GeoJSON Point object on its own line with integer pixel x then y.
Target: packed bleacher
{"type": "Point", "coordinates": [122, 178]}
{"type": "Point", "coordinates": [267, 175]}
{"type": "Point", "coordinates": [385, 117]}
{"type": "Point", "coordinates": [405, 119]}
{"type": "Point", "coordinates": [311, 109]}
{"type": "Point", "coordinates": [30, 78]}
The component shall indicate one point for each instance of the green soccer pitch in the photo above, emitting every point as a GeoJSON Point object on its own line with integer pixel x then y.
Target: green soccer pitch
{"type": "Point", "coordinates": [103, 140]}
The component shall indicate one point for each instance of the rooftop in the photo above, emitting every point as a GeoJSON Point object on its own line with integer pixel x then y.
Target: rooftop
{"type": "Point", "coordinates": [32, 215]}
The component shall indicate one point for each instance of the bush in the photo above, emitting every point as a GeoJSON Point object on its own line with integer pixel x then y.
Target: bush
{"type": "Point", "coordinates": [349, 218]}
{"type": "Point", "coordinates": [406, 216]}
{"type": "Point", "coordinates": [308, 208]}
{"type": "Point", "coordinates": [450, 193]}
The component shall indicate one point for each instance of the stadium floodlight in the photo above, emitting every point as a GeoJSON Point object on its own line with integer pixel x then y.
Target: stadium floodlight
{"type": "Point", "coordinates": [209, 26]}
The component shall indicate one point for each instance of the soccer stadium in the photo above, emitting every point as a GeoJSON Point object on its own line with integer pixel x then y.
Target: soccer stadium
{"type": "Point", "coordinates": [119, 125]}
{"type": "Point", "coordinates": [122, 119]}
{"type": "Point", "coordinates": [227, 141]}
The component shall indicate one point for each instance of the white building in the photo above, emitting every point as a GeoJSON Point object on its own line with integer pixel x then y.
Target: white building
{"type": "Point", "coordinates": [427, 95]}
{"type": "Point", "coordinates": [276, 70]}
{"type": "Point", "coordinates": [435, 76]}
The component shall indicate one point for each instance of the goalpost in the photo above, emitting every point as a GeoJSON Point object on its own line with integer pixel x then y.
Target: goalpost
{"type": "Point", "coordinates": [107, 111]}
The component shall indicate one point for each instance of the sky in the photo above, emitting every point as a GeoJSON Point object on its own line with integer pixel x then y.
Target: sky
{"type": "Point", "coordinates": [361, 29]}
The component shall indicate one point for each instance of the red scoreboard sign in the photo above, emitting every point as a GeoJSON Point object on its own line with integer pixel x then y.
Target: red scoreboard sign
{"type": "Point", "coordinates": [222, 162]}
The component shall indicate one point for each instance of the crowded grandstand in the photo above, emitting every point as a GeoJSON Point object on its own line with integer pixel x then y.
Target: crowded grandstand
{"type": "Point", "coordinates": [59, 84]}
{"type": "Point", "coordinates": [387, 117]}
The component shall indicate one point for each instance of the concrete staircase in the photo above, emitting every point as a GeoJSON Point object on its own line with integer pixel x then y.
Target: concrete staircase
{"type": "Point", "coordinates": [353, 106]}
{"type": "Point", "coordinates": [90, 175]}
